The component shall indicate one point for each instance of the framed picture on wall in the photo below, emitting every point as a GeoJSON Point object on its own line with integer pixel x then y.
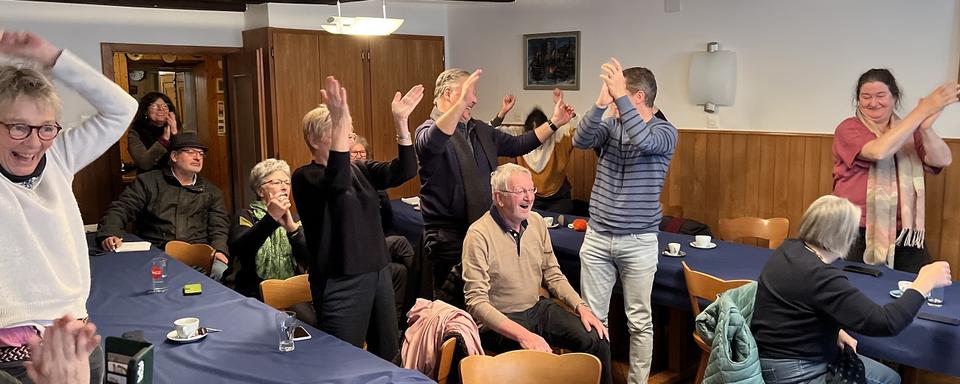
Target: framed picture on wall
{"type": "Point", "coordinates": [551, 60]}
{"type": "Point", "coordinates": [219, 85]}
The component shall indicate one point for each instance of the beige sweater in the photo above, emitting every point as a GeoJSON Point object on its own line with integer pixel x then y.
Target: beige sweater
{"type": "Point", "coordinates": [497, 280]}
{"type": "Point", "coordinates": [45, 268]}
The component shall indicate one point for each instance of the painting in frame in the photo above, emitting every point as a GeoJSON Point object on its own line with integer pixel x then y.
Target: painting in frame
{"type": "Point", "coordinates": [551, 60]}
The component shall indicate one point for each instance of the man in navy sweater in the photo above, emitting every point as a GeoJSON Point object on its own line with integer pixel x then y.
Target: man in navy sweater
{"type": "Point", "coordinates": [636, 148]}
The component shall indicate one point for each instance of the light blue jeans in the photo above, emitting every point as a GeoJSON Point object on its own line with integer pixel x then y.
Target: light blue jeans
{"type": "Point", "coordinates": [604, 256]}
{"type": "Point", "coordinates": [796, 371]}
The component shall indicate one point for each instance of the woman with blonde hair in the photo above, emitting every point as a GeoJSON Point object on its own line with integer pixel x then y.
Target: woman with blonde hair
{"type": "Point", "coordinates": [804, 303]}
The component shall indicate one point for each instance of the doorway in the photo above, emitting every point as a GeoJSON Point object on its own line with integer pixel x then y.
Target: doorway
{"type": "Point", "coordinates": [193, 78]}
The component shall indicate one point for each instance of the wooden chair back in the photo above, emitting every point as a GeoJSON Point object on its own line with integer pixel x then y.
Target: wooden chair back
{"type": "Point", "coordinates": [281, 294]}
{"type": "Point", "coordinates": [527, 366]}
{"type": "Point", "coordinates": [194, 255]}
{"type": "Point", "coordinates": [773, 230]}
{"type": "Point", "coordinates": [703, 286]}
{"type": "Point", "coordinates": [446, 359]}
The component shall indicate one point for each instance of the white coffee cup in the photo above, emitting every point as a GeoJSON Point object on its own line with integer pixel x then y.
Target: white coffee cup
{"type": "Point", "coordinates": [187, 327]}
{"type": "Point", "coordinates": [702, 240]}
{"type": "Point", "coordinates": [673, 248]}
{"type": "Point", "coordinates": [549, 221]}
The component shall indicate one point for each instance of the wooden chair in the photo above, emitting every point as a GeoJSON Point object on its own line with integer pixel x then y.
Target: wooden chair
{"type": "Point", "coordinates": [281, 294]}
{"type": "Point", "coordinates": [703, 286]}
{"type": "Point", "coordinates": [773, 230]}
{"type": "Point", "coordinates": [194, 255]}
{"type": "Point", "coordinates": [527, 366]}
{"type": "Point", "coordinates": [446, 360]}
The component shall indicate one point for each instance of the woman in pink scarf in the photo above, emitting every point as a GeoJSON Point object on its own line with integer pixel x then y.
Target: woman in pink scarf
{"type": "Point", "coordinates": [879, 161]}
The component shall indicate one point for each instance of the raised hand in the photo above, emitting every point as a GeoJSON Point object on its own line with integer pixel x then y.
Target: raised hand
{"type": "Point", "coordinates": [335, 98]}
{"type": "Point", "coordinates": [468, 92]}
{"type": "Point", "coordinates": [172, 122]}
{"type": "Point", "coordinates": [941, 97]}
{"type": "Point", "coordinates": [604, 99]}
{"type": "Point", "coordinates": [612, 76]}
{"type": "Point", "coordinates": [562, 113]}
{"type": "Point", "coordinates": [29, 46]}
{"type": "Point", "coordinates": [507, 104]}
{"type": "Point", "coordinates": [402, 107]}
{"type": "Point", "coordinates": [557, 95]}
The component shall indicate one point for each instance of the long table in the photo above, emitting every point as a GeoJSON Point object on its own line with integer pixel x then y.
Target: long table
{"type": "Point", "coordinates": [923, 344]}
{"type": "Point", "coordinates": [245, 352]}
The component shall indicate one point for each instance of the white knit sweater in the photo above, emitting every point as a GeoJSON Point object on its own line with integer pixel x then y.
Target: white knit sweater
{"type": "Point", "coordinates": [44, 265]}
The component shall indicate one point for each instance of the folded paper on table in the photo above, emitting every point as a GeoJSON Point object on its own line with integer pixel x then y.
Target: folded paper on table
{"type": "Point", "coordinates": [134, 246]}
{"type": "Point", "coordinates": [414, 201]}
{"type": "Point", "coordinates": [90, 228]}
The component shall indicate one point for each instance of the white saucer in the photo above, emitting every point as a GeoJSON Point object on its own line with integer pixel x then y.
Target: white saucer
{"type": "Point", "coordinates": [896, 293]}
{"type": "Point", "coordinates": [555, 225]}
{"type": "Point", "coordinates": [711, 246]}
{"type": "Point", "coordinates": [172, 336]}
{"type": "Point", "coordinates": [666, 253]}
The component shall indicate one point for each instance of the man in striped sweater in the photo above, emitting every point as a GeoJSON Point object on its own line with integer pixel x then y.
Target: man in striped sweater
{"type": "Point", "coordinates": [636, 148]}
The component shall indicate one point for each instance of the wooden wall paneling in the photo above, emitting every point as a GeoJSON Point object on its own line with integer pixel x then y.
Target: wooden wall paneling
{"type": "Point", "coordinates": [245, 118]}
{"type": "Point", "coordinates": [296, 83]}
{"type": "Point", "coordinates": [826, 165]}
{"type": "Point", "coordinates": [217, 164]}
{"type": "Point", "coordinates": [423, 61]}
{"type": "Point", "coordinates": [392, 76]}
{"type": "Point", "coordinates": [811, 174]}
{"type": "Point", "coordinates": [343, 57]}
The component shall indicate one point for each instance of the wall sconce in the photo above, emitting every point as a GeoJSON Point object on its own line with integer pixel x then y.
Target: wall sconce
{"type": "Point", "coordinates": [362, 26]}
{"type": "Point", "coordinates": [713, 78]}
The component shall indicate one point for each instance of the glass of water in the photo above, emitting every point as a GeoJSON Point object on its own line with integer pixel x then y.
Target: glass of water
{"type": "Point", "coordinates": [936, 297]}
{"type": "Point", "coordinates": [286, 323]}
{"type": "Point", "coordinates": [158, 274]}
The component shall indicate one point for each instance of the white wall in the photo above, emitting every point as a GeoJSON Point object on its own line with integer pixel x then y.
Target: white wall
{"type": "Point", "coordinates": [798, 61]}
{"type": "Point", "coordinates": [81, 29]}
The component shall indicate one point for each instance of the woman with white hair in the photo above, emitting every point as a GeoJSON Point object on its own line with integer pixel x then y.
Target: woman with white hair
{"type": "Point", "coordinates": [266, 241]}
{"type": "Point", "coordinates": [45, 272]}
{"type": "Point", "coordinates": [804, 304]}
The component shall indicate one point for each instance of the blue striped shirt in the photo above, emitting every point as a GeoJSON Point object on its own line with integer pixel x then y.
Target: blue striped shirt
{"type": "Point", "coordinates": [631, 170]}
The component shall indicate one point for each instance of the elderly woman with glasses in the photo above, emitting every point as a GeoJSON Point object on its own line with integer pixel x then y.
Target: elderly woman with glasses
{"type": "Point", "coordinates": [804, 303]}
{"type": "Point", "coordinates": [46, 270]}
{"type": "Point", "coordinates": [266, 240]}
{"type": "Point", "coordinates": [155, 124]}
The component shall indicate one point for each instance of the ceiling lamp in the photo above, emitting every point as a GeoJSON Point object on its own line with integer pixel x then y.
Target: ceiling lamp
{"type": "Point", "coordinates": [365, 26]}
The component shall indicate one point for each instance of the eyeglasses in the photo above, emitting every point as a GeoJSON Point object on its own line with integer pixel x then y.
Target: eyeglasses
{"type": "Point", "coordinates": [358, 153]}
{"type": "Point", "coordinates": [45, 132]}
{"type": "Point", "coordinates": [276, 182]}
{"type": "Point", "coordinates": [521, 191]}
{"type": "Point", "coordinates": [194, 152]}
{"type": "Point", "coordinates": [159, 107]}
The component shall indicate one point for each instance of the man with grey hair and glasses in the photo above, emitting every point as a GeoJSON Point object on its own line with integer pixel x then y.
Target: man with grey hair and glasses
{"type": "Point", "coordinates": [635, 152]}
{"type": "Point", "coordinates": [507, 257]}
{"type": "Point", "coordinates": [456, 154]}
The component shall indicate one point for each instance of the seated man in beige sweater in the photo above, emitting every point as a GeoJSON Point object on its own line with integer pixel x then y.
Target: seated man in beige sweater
{"type": "Point", "coordinates": [507, 256]}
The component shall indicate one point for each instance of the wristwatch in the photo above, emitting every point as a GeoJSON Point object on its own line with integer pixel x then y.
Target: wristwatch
{"type": "Point", "coordinates": [553, 126]}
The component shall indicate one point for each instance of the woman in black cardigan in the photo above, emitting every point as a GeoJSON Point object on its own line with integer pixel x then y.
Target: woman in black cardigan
{"type": "Point", "coordinates": [804, 304]}
{"type": "Point", "coordinates": [154, 126]}
{"type": "Point", "coordinates": [338, 204]}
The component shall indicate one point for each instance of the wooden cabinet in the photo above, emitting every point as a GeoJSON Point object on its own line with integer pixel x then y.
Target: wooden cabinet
{"type": "Point", "coordinates": [372, 69]}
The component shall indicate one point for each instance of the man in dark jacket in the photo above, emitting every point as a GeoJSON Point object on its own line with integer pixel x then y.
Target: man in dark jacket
{"type": "Point", "coordinates": [173, 203]}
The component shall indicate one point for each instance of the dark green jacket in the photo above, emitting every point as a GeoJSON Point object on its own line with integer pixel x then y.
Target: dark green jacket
{"type": "Point", "coordinates": [161, 210]}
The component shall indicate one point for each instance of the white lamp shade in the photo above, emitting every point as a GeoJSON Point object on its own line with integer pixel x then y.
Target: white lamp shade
{"type": "Point", "coordinates": [366, 26]}
{"type": "Point", "coordinates": [713, 78]}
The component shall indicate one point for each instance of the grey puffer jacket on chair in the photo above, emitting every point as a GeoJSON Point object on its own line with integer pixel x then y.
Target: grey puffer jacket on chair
{"type": "Point", "coordinates": [725, 325]}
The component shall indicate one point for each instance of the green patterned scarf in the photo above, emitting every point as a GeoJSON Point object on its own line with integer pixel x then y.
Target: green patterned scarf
{"type": "Point", "coordinates": [275, 256]}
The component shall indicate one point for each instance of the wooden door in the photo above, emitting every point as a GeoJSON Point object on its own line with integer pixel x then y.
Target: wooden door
{"type": "Point", "coordinates": [400, 62]}
{"type": "Point", "coordinates": [210, 112]}
{"type": "Point", "coordinates": [246, 111]}
{"type": "Point", "coordinates": [295, 91]}
{"type": "Point", "coordinates": [342, 56]}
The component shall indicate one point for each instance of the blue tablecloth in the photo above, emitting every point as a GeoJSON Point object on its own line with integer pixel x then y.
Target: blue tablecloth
{"type": "Point", "coordinates": [923, 344]}
{"type": "Point", "coordinates": [246, 350]}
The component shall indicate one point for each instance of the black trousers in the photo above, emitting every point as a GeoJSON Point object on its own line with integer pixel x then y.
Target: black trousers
{"type": "Point", "coordinates": [908, 259]}
{"type": "Point", "coordinates": [360, 308]}
{"type": "Point", "coordinates": [443, 247]}
{"type": "Point", "coordinates": [559, 328]}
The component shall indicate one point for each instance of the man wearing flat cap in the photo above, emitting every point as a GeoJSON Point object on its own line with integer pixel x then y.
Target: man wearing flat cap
{"type": "Point", "coordinates": [172, 203]}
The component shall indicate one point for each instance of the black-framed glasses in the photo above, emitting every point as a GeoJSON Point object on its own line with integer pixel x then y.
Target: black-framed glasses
{"type": "Point", "coordinates": [194, 152]}
{"type": "Point", "coordinates": [521, 191]}
{"type": "Point", "coordinates": [159, 107]}
{"type": "Point", "coordinates": [20, 131]}
{"type": "Point", "coordinates": [276, 182]}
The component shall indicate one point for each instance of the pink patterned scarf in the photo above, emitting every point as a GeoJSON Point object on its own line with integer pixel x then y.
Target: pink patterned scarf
{"type": "Point", "coordinates": [896, 180]}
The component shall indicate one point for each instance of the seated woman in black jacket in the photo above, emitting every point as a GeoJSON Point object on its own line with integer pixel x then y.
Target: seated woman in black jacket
{"type": "Point", "coordinates": [804, 304]}
{"type": "Point", "coordinates": [266, 241]}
